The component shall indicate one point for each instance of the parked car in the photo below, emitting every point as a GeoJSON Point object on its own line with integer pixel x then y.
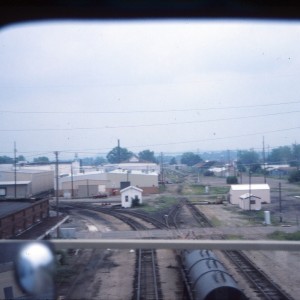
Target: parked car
{"type": "Point", "coordinates": [101, 195]}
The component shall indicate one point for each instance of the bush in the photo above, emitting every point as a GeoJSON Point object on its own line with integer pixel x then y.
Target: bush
{"type": "Point", "coordinates": [231, 180]}
{"type": "Point", "coordinates": [135, 201]}
{"type": "Point", "coordinates": [209, 173]}
{"type": "Point", "coordinates": [294, 176]}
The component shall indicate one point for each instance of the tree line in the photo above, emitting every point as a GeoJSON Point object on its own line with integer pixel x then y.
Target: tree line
{"type": "Point", "coordinates": [246, 159]}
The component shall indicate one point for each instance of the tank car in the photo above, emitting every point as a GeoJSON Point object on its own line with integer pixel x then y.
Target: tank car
{"type": "Point", "coordinates": [208, 278]}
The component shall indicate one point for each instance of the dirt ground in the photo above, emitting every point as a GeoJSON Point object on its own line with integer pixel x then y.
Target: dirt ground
{"type": "Point", "coordinates": [102, 274]}
{"type": "Point", "coordinates": [282, 266]}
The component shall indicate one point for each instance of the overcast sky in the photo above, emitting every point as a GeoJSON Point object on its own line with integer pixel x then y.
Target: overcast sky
{"type": "Point", "coordinates": [167, 87]}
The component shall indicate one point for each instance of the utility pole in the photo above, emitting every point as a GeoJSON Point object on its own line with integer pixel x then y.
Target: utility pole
{"type": "Point", "coordinates": [280, 207]}
{"type": "Point", "coordinates": [72, 182]}
{"type": "Point", "coordinates": [162, 167]}
{"type": "Point", "coordinates": [87, 188]}
{"type": "Point", "coordinates": [249, 190]}
{"type": "Point", "coordinates": [264, 161]}
{"type": "Point", "coordinates": [15, 168]}
{"type": "Point", "coordinates": [56, 176]}
{"type": "Point", "coordinates": [119, 152]}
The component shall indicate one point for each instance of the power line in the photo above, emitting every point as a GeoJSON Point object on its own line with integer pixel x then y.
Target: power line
{"type": "Point", "coordinates": [148, 125]}
{"type": "Point", "coordinates": [99, 150]}
{"type": "Point", "coordinates": [147, 111]}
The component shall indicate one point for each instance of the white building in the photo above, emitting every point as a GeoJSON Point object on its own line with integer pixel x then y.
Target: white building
{"type": "Point", "coordinates": [259, 190]}
{"type": "Point", "coordinates": [28, 183]}
{"type": "Point", "coordinates": [248, 202]}
{"type": "Point", "coordinates": [129, 194]}
{"type": "Point", "coordinates": [91, 184]}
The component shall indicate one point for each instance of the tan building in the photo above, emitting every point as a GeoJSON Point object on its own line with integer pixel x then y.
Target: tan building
{"type": "Point", "coordinates": [28, 183]}
{"type": "Point", "coordinates": [259, 190]}
{"type": "Point", "coordinates": [8, 286]}
{"type": "Point", "coordinates": [91, 184]}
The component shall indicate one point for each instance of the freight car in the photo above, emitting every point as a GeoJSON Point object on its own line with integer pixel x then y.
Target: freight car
{"type": "Point", "coordinates": [208, 278]}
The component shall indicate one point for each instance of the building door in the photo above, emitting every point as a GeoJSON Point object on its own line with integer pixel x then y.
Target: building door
{"type": "Point", "coordinates": [8, 293]}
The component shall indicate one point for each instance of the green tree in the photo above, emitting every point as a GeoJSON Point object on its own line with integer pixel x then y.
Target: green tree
{"type": "Point", "coordinates": [281, 155]}
{"type": "Point", "coordinates": [248, 158]}
{"type": "Point", "coordinates": [294, 176]}
{"type": "Point", "coordinates": [21, 158]}
{"type": "Point", "coordinates": [147, 155]}
{"type": "Point", "coordinates": [295, 162]}
{"type": "Point", "coordinates": [6, 160]}
{"type": "Point", "coordinates": [41, 159]}
{"type": "Point", "coordinates": [99, 160]}
{"type": "Point", "coordinates": [190, 158]}
{"type": "Point", "coordinates": [118, 154]}
{"type": "Point", "coordinates": [232, 180]}
{"type": "Point", "coordinates": [173, 161]}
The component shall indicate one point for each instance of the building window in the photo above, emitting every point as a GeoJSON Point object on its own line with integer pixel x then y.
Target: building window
{"type": "Point", "coordinates": [2, 191]}
{"type": "Point", "coordinates": [252, 202]}
{"type": "Point", "coordinates": [126, 198]}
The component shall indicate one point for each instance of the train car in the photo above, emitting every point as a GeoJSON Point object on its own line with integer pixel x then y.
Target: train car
{"type": "Point", "coordinates": [208, 278]}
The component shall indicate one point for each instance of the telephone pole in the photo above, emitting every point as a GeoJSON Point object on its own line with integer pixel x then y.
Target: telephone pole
{"type": "Point", "coordinates": [162, 168]}
{"type": "Point", "coordinates": [250, 191]}
{"type": "Point", "coordinates": [56, 176]}
{"type": "Point", "coordinates": [72, 181]}
{"type": "Point", "coordinates": [280, 207]}
{"type": "Point", "coordinates": [15, 169]}
{"type": "Point", "coordinates": [264, 161]}
{"type": "Point", "coordinates": [119, 152]}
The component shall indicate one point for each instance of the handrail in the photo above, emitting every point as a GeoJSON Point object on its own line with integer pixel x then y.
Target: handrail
{"type": "Point", "coordinates": [169, 244]}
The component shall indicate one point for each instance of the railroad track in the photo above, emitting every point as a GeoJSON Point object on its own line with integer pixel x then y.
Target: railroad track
{"type": "Point", "coordinates": [157, 223]}
{"type": "Point", "coordinates": [147, 283]}
{"type": "Point", "coordinates": [171, 217]}
{"type": "Point", "coordinates": [147, 278]}
{"type": "Point", "coordinates": [262, 284]}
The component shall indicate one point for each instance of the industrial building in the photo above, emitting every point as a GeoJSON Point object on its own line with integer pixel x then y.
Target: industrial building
{"type": "Point", "coordinates": [261, 191]}
{"type": "Point", "coordinates": [25, 183]}
{"type": "Point", "coordinates": [92, 184]}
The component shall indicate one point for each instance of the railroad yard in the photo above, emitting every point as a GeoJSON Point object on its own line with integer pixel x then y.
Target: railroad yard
{"type": "Point", "coordinates": [182, 211]}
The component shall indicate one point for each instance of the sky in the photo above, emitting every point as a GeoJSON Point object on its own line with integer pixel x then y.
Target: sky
{"type": "Point", "coordinates": [171, 87]}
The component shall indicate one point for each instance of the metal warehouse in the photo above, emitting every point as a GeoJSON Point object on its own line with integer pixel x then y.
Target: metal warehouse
{"type": "Point", "coordinates": [91, 184]}
{"type": "Point", "coordinates": [261, 191]}
{"type": "Point", "coordinates": [26, 184]}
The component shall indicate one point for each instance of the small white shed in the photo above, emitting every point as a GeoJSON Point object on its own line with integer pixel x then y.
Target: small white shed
{"type": "Point", "coordinates": [259, 190]}
{"type": "Point", "coordinates": [248, 202]}
{"type": "Point", "coordinates": [129, 194]}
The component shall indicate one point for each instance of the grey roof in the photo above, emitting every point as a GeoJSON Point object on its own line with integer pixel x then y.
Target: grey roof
{"type": "Point", "coordinates": [8, 207]}
{"type": "Point", "coordinates": [19, 182]}
{"type": "Point", "coordinates": [28, 171]}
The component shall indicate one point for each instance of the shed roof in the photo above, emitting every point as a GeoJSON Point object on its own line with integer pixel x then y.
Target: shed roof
{"type": "Point", "coordinates": [27, 171]}
{"type": "Point", "coordinates": [13, 183]}
{"type": "Point", "coordinates": [131, 188]}
{"type": "Point", "coordinates": [245, 187]}
{"type": "Point", "coordinates": [247, 196]}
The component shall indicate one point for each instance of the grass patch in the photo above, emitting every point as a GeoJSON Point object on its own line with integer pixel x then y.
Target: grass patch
{"type": "Point", "coordinates": [160, 203]}
{"type": "Point", "coordinates": [284, 236]}
{"type": "Point", "coordinates": [233, 237]}
{"type": "Point", "coordinates": [162, 188]}
{"type": "Point", "coordinates": [196, 189]}
{"type": "Point", "coordinates": [215, 222]}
